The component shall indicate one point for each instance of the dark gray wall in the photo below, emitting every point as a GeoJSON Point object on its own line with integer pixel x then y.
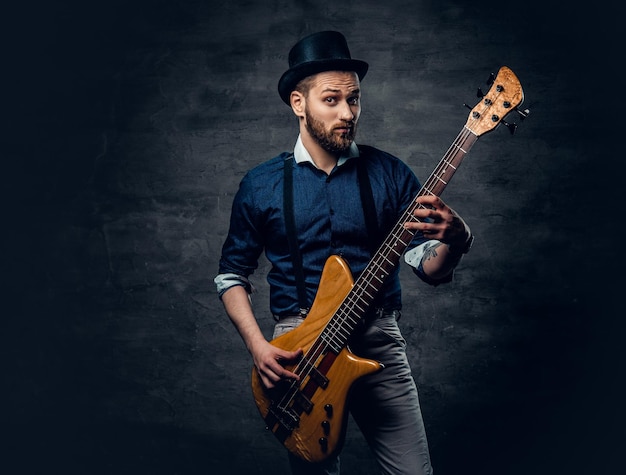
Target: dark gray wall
{"type": "Point", "coordinates": [126, 128]}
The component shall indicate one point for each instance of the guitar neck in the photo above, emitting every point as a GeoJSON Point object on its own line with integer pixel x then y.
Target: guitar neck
{"type": "Point", "coordinates": [387, 257]}
{"type": "Point", "coordinates": [503, 97]}
{"type": "Point", "coordinates": [443, 173]}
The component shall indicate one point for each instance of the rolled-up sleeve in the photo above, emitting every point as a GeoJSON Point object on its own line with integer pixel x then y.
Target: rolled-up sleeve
{"type": "Point", "coordinates": [244, 243]}
{"type": "Point", "coordinates": [223, 282]}
{"type": "Point", "coordinates": [414, 257]}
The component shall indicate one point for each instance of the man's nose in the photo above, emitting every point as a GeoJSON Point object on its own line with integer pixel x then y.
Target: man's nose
{"type": "Point", "coordinates": [346, 112]}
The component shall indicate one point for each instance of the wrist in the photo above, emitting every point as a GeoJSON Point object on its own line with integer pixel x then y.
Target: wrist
{"type": "Point", "coordinates": [461, 248]}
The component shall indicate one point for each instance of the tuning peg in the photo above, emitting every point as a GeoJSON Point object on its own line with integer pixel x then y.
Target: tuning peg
{"type": "Point", "coordinates": [468, 106]}
{"type": "Point", "coordinates": [490, 81]}
{"type": "Point", "coordinates": [512, 126]}
{"type": "Point", "coordinates": [523, 114]}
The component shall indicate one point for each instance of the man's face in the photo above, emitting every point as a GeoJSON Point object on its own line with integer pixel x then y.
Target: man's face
{"type": "Point", "coordinates": [332, 109]}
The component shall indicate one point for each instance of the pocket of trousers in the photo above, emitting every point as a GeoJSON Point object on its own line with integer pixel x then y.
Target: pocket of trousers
{"type": "Point", "coordinates": [286, 324]}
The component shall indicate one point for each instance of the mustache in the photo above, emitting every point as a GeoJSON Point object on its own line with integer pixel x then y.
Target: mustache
{"type": "Point", "coordinates": [346, 125]}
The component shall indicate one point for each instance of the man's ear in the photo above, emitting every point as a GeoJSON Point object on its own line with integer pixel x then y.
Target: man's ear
{"type": "Point", "coordinates": [297, 101]}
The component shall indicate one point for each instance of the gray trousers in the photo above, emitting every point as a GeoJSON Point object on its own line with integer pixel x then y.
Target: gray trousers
{"type": "Point", "coordinates": [385, 405]}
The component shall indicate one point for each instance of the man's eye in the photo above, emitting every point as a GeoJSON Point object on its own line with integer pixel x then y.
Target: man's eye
{"type": "Point", "coordinates": [353, 100]}
{"type": "Point", "coordinates": [330, 99]}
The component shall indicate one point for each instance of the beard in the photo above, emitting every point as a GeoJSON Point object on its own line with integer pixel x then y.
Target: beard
{"type": "Point", "coordinates": [330, 140]}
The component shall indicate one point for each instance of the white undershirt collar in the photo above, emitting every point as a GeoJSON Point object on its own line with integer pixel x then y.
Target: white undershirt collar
{"type": "Point", "coordinates": [301, 154]}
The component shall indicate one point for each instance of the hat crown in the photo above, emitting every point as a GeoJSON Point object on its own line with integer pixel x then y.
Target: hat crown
{"type": "Point", "coordinates": [325, 45]}
{"type": "Point", "coordinates": [316, 53]}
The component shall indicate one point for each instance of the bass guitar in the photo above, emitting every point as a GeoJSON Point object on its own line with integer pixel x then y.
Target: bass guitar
{"type": "Point", "coordinates": [309, 416]}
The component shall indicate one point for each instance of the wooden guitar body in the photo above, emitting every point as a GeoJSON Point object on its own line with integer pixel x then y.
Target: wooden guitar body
{"type": "Point", "coordinates": [320, 428]}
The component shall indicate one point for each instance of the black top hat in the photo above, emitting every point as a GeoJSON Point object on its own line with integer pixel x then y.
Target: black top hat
{"type": "Point", "coordinates": [323, 51]}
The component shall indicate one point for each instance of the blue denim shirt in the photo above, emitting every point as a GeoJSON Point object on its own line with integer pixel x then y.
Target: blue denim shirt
{"type": "Point", "coordinates": [329, 220]}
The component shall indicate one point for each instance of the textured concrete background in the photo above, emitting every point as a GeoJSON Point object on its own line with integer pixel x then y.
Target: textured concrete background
{"type": "Point", "coordinates": [126, 128]}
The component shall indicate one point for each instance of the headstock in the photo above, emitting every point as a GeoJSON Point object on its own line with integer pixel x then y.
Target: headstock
{"type": "Point", "coordinates": [504, 96]}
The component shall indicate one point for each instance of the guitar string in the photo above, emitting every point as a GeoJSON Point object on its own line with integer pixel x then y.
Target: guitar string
{"type": "Point", "coordinates": [337, 323]}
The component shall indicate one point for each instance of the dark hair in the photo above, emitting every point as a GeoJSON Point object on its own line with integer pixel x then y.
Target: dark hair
{"type": "Point", "coordinates": [304, 86]}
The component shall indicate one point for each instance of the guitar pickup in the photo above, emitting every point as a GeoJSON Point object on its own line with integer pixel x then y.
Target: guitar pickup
{"type": "Point", "coordinates": [303, 403]}
{"type": "Point", "coordinates": [316, 376]}
{"type": "Point", "coordinates": [319, 378]}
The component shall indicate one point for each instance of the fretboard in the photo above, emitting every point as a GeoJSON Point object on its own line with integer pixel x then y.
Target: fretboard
{"type": "Point", "coordinates": [354, 307]}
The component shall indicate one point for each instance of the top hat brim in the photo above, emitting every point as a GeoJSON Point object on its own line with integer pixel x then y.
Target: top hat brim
{"type": "Point", "coordinates": [293, 76]}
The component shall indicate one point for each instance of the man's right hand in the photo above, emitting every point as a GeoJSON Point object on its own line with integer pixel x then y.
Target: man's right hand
{"type": "Point", "coordinates": [270, 363]}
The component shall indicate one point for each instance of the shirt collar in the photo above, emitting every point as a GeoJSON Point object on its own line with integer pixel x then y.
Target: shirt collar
{"type": "Point", "coordinates": [301, 154]}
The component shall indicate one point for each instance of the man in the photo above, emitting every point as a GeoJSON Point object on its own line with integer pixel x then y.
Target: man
{"type": "Point", "coordinates": [331, 215]}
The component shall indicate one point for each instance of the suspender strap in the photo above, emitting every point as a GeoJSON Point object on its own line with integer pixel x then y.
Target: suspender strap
{"type": "Point", "coordinates": [290, 223]}
{"type": "Point", "coordinates": [369, 212]}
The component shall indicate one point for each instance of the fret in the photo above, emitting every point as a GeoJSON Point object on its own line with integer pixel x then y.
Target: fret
{"type": "Point", "coordinates": [361, 309]}
{"type": "Point", "coordinates": [337, 346]}
{"type": "Point", "coordinates": [361, 303]}
{"type": "Point", "coordinates": [368, 294]}
{"type": "Point", "coordinates": [369, 289]}
{"type": "Point", "coordinates": [344, 332]}
{"type": "Point", "coordinates": [392, 247]}
{"type": "Point", "coordinates": [380, 277]}
{"type": "Point", "coordinates": [441, 180]}
{"type": "Point", "coordinates": [336, 332]}
{"type": "Point", "coordinates": [459, 148]}
{"type": "Point", "coordinates": [330, 341]}
{"type": "Point", "coordinates": [354, 321]}
{"type": "Point", "coordinates": [374, 287]}
{"type": "Point", "coordinates": [449, 164]}
{"type": "Point", "coordinates": [396, 252]}
{"type": "Point", "coordinates": [386, 259]}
